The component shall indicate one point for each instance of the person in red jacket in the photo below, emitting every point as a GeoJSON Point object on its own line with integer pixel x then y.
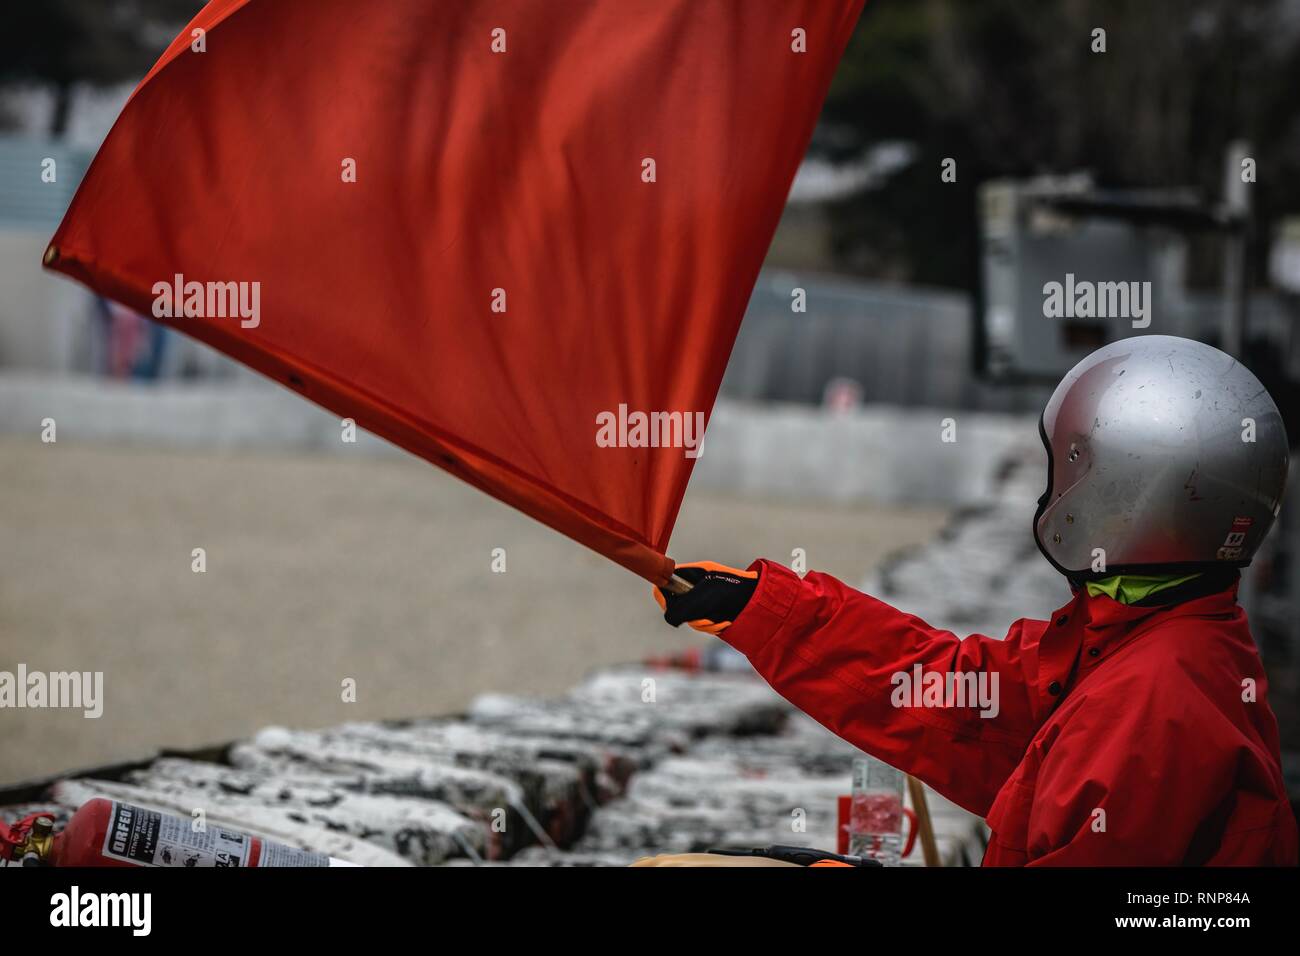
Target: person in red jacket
{"type": "Point", "coordinates": [1133, 727]}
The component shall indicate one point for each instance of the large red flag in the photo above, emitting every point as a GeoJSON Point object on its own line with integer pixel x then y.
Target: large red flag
{"type": "Point", "coordinates": [494, 232]}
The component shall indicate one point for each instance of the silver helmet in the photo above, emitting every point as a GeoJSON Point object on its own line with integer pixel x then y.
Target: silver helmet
{"type": "Point", "coordinates": [1164, 454]}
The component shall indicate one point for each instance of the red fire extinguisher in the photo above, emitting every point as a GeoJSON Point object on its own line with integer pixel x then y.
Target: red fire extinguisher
{"type": "Point", "coordinates": [110, 833]}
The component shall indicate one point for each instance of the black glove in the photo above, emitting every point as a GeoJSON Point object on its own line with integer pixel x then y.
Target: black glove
{"type": "Point", "coordinates": [714, 602]}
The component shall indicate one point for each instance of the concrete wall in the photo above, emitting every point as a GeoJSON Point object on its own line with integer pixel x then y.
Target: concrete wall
{"type": "Point", "coordinates": [877, 453]}
{"type": "Point", "coordinates": [40, 315]}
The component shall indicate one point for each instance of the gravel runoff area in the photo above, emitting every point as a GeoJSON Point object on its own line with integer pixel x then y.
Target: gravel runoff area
{"type": "Point", "coordinates": [321, 569]}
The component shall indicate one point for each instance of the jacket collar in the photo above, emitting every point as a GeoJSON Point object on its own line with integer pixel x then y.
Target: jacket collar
{"type": "Point", "coordinates": [1104, 614]}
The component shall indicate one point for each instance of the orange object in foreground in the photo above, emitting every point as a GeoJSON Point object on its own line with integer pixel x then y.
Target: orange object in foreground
{"type": "Point", "coordinates": [502, 235]}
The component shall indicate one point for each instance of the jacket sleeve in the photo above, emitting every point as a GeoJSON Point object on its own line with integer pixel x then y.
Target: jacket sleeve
{"type": "Point", "coordinates": [851, 662]}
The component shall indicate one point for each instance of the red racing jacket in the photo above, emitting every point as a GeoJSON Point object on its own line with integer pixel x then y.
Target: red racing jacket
{"type": "Point", "coordinates": [1120, 735]}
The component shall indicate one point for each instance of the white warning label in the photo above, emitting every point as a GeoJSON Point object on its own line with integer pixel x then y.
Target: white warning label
{"type": "Point", "coordinates": [149, 838]}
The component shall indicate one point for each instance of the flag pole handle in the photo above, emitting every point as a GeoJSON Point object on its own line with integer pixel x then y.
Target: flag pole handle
{"type": "Point", "coordinates": [677, 585]}
{"type": "Point", "coordinates": [929, 845]}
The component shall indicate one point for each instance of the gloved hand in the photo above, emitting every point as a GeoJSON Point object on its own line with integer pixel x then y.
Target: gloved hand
{"type": "Point", "coordinates": [719, 595]}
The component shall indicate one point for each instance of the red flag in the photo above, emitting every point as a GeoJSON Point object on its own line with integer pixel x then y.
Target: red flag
{"type": "Point", "coordinates": [494, 233]}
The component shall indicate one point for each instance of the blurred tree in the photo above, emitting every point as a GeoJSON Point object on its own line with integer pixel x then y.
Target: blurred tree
{"type": "Point", "coordinates": [64, 42]}
{"type": "Point", "coordinates": [1013, 88]}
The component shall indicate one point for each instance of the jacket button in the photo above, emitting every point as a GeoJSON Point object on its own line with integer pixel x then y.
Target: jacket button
{"type": "Point", "coordinates": [1060, 621]}
{"type": "Point", "coordinates": [1094, 652]}
{"type": "Point", "coordinates": [1054, 688]}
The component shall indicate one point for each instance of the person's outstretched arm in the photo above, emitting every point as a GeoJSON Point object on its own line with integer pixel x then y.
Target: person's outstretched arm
{"type": "Point", "coordinates": [954, 713]}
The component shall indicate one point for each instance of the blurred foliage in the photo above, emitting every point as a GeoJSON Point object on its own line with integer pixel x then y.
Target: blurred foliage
{"type": "Point", "coordinates": [62, 42]}
{"type": "Point", "coordinates": [1012, 88]}
{"type": "Point", "coordinates": [1006, 87]}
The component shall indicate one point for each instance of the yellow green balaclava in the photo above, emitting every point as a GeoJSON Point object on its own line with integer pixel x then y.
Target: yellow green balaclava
{"type": "Point", "coordinates": [1132, 588]}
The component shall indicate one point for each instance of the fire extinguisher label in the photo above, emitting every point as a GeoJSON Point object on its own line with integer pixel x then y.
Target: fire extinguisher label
{"type": "Point", "coordinates": [277, 854]}
{"type": "Point", "coordinates": [148, 838]}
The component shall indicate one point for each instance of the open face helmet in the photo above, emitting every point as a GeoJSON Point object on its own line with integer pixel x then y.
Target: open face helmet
{"type": "Point", "coordinates": [1165, 455]}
